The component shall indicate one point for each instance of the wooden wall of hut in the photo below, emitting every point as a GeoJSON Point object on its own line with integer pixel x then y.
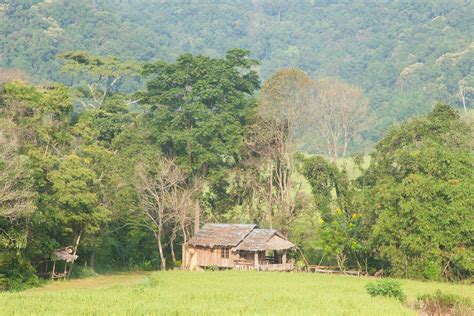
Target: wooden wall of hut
{"type": "Point", "coordinates": [207, 257]}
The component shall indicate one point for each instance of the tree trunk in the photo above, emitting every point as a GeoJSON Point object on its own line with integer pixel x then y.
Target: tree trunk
{"type": "Point", "coordinates": [462, 98]}
{"type": "Point", "coordinates": [250, 213]}
{"type": "Point", "coordinates": [92, 260]}
{"type": "Point", "coordinates": [341, 259]}
{"type": "Point", "coordinates": [197, 217]}
{"type": "Point", "coordinates": [346, 145]}
{"type": "Point", "coordinates": [76, 246]}
{"type": "Point", "coordinates": [173, 256]}
{"type": "Point", "coordinates": [160, 249]}
{"type": "Point", "coordinates": [270, 199]}
{"type": "Point", "coordinates": [359, 266]}
{"type": "Point", "coordinates": [183, 229]}
{"type": "Point", "coordinates": [54, 270]}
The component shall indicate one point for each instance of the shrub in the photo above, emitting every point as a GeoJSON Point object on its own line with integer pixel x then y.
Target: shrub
{"type": "Point", "coordinates": [3, 282]}
{"type": "Point", "coordinates": [213, 268]}
{"type": "Point", "coordinates": [432, 271]}
{"type": "Point", "coordinates": [300, 265]}
{"type": "Point", "coordinates": [17, 272]}
{"type": "Point", "coordinates": [174, 264]}
{"type": "Point", "coordinates": [389, 288]}
{"type": "Point", "coordinates": [81, 273]}
{"type": "Point", "coordinates": [441, 303]}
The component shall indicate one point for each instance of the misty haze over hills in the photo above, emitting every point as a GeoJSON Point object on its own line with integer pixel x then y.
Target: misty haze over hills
{"type": "Point", "coordinates": [405, 56]}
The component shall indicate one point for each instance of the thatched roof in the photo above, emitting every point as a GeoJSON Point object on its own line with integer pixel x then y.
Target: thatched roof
{"type": "Point", "coordinates": [246, 237]}
{"type": "Point", "coordinates": [264, 239]}
{"type": "Point", "coordinates": [221, 235]}
{"type": "Point", "coordinates": [65, 254]}
{"type": "Point", "coordinates": [279, 243]}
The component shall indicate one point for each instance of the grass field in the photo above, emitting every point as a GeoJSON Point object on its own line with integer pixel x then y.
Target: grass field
{"type": "Point", "coordinates": [215, 293]}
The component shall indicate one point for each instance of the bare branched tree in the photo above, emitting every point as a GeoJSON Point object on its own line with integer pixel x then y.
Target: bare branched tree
{"type": "Point", "coordinates": [181, 202]}
{"type": "Point", "coordinates": [254, 176]}
{"type": "Point", "coordinates": [166, 200]}
{"type": "Point", "coordinates": [464, 90]}
{"type": "Point", "coordinates": [282, 102]}
{"type": "Point", "coordinates": [337, 113]}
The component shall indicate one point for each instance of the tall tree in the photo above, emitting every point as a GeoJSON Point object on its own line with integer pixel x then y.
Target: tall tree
{"type": "Point", "coordinates": [343, 233]}
{"type": "Point", "coordinates": [102, 74]}
{"type": "Point", "coordinates": [33, 133]}
{"type": "Point", "coordinates": [417, 194]}
{"type": "Point", "coordinates": [339, 113]}
{"type": "Point", "coordinates": [282, 102]}
{"type": "Point", "coordinates": [34, 125]}
{"type": "Point", "coordinates": [163, 196]}
{"type": "Point", "coordinates": [198, 110]}
{"type": "Point", "coordinates": [77, 196]}
{"type": "Point", "coordinates": [17, 196]}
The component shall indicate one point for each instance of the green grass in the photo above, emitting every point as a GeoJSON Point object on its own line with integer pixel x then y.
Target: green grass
{"type": "Point", "coordinates": [215, 293]}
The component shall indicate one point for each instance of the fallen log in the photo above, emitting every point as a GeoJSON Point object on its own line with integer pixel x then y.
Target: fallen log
{"type": "Point", "coordinates": [312, 267]}
{"type": "Point", "coordinates": [331, 271]}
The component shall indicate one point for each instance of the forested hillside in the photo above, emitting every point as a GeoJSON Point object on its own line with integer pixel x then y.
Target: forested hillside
{"type": "Point", "coordinates": [405, 56]}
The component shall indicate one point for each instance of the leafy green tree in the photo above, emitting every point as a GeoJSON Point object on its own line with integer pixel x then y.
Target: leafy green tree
{"type": "Point", "coordinates": [76, 192]}
{"type": "Point", "coordinates": [17, 205]}
{"type": "Point", "coordinates": [342, 230]}
{"type": "Point", "coordinates": [432, 60]}
{"type": "Point", "coordinates": [417, 197]}
{"type": "Point", "coordinates": [17, 196]}
{"type": "Point", "coordinates": [34, 124]}
{"type": "Point", "coordinates": [199, 104]}
{"type": "Point", "coordinates": [282, 103]}
{"type": "Point", "coordinates": [198, 109]}
{"type": "Point", "coordinates": [102, 74]}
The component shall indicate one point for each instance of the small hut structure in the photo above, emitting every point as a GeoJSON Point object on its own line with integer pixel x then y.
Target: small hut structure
{"type": "Point", "coordinates": [65, 254]}
{"type": "Point", "coordinates": [238, 246]}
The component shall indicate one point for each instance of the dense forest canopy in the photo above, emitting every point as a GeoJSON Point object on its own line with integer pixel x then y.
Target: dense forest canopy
{"type": "Point", "coordinates": [405, 56]}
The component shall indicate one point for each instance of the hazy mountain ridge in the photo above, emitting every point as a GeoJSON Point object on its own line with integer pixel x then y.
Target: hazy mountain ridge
{"type": "Point", "coordinates": [406, 56]}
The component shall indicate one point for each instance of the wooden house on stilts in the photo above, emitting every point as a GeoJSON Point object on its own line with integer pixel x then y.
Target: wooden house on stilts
{"type": "Point", "coordinates": [238, 246]}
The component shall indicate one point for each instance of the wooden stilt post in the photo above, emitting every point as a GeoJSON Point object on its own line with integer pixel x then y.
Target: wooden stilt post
{"type": "Point", "coordinates": [76, 245]}
{"type": "Point", "coordinates": [65, 270]}
{"type": "Point", "coordinates": [283, 258]}
{"type": "Point", "coordinates": [54, 267]}
{"type": "Point", "coordinates": [256, 259]}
